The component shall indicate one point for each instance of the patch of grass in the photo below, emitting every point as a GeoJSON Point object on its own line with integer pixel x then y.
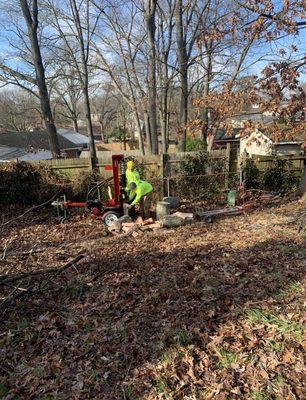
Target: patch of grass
{"type": "Point", "coordinates": [38, 371]}
{"type": "Point", "coordinates": [129, 393]}
{"type": "Point", "coordinates": [166, 358]}
{"type": "Point", "coordinates": [284, 325]}
{"type": "Point", "coordinates": [71, 290]}
{"type": "Point", "coordinates": [201, 393]}
{"type": "Point", "coordinates": [88, 327]}
{"type": "Point", "coordinates": [161, 387]}
{"type": "Point", "coordinates": [94, 376]}
{"type": "Point", "coordinates": [19, 333]}
{"type": "Point", "coordinates": [122, 330]}
{"type": "Point", "coordinates": [183, 338]}
{"type": "Point", "coordinates": [278, 347]}
{"type": "Point", "coordinates": [293, 287]}
{"type": "Point", "coordinates": [278, 380]}
{"type": "Point", "coordinates": [255, 394]}
{"type": "Point", "coordinates": [226, 358]}
{"type": "Point", "coordinates": [287, 249]}
{"type": "Point", "coordinates": [4, 390]}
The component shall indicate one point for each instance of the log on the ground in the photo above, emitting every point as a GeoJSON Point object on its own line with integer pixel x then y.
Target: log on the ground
{"type": "Point", "coordinates": [171, 221]}
{"type": "Point", "coordinates": [206, 215]}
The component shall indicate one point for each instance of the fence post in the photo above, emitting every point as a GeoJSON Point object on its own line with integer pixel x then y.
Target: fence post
{"type": "Point", "coordinates": [228, 160]}
{"type": "Point", "coordinates": [91, 164]}
{"type": "Point", "coordinates": [164, 173]}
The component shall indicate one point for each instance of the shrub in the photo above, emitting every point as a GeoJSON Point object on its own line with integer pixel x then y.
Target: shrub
{"type": "Point", "coordinates": [87, 185]}
{"type": "Point", "coordinates": [23, 183]}
{"type": "Point", "coordinates": [278, 177]}
{"type": "Point", "coordinates": [195, 144]}
{"type": "Point", "coordinates": [251, 175]}
{"type": "Point", "coordinates": [201, 177]}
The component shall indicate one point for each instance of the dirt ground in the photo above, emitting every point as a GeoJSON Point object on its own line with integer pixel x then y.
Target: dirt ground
{"type": "Point", "coordinates": [204, 311]}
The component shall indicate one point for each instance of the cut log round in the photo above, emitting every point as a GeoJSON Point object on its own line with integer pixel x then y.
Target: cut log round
{"type": "Point", "coordinates": [162, 209]}
{"type": "Point", "coordinates": [171, 221]}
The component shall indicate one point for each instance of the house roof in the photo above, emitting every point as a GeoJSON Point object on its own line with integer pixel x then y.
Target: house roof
{"type": "Point", "coordinates": [13, 153]}
{"type": "Point", "coordinates": [73, 137]}
{"type": "Point", "coordinates": [221, 134]}
{"type": "Point", "coordinates": [298, 137]}
{"type": "Point", "coordinates": [39, 140]}
{"type": "Point", "coordinates": [9, 153]}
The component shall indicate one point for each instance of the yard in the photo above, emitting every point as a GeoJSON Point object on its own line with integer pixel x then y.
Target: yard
{"type": "Point", "coordinates": [205, 311]}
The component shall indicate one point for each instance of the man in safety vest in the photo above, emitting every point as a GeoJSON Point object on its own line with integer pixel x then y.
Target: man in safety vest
{"type": "Point", "coordinates": [131, 174]}
{"type": "Point", "coordinates": [141, 192]}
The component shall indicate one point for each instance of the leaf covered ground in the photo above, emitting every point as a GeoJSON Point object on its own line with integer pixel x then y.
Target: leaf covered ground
{"type": "Point", "coordinates": [205, 311]}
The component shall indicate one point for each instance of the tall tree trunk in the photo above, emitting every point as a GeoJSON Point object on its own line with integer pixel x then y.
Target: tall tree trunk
{"type": "Point", "coordinates": [101, 131]}
{"type": "Point", "coordinates": [148, 130]}
{"type": "Point", "coordinates": [92, 146]}
{"type": "Point", "coordinates": [164, 82]}
{"type": "Point", "coordinates": [75, 124]}
{"type": "Point", "coordinates": [32, 26]}
{"type": "Point", "coordinates": [206, 92]}
{"type": "Point", "coordinates": [183, 71]}
{"type": "Point", "coordinates": [140, 138]}
{"type": "Point", "coordinates": [151, 27]}
{"type": "Point", "coordinates": [84, 81]}
{"type": "Point", "coordinates": [164, 120]}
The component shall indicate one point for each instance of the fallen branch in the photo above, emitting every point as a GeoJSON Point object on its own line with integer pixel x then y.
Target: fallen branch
{"type": "Point", "coordinates": [29, 210]}
{"type": "Point", "coordinates": [14, 296]}
{"type": "Point", "coordinates": [4, 279]}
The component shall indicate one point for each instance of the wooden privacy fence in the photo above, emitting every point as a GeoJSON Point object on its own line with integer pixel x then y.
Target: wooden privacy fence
{"type": "Point", "coordinates": [161, 170]}
{"type": "Point", "coordinates": [165, 173]}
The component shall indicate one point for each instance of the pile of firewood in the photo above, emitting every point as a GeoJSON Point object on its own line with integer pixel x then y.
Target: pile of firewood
{"type": "Point", "coordinates": [126, 227]}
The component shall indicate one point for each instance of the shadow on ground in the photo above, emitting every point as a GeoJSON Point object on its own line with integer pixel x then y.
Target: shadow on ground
{"type": "Point", "coordinates": [95, 328]}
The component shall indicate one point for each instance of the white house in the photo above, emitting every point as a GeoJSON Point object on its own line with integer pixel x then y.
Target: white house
{"type": "Point", "coordinates": [256, 144]}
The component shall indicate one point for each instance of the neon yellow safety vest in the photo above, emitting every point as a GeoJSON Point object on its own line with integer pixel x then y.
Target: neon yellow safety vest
{"type": "Point", "coordinates": [142, 189]}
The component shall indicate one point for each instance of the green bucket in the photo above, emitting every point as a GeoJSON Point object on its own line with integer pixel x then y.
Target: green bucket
{"type": "Point", "coordinates": [231, 198]}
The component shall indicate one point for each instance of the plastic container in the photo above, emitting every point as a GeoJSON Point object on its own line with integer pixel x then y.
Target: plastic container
{"type": "Point", "coordinates": [231, 198]}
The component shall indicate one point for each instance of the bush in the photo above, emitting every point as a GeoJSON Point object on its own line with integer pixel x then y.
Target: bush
{"type": "Point", "coordinates": [279, 178]}
{"type": "Point", "coordinates": [276, 177]}
{"type": "Point", "coordinates": [86, 185]}
{"type": "Point", "coordinates": [23, 183]}
{"type": "Point", "coordinates": [195, 144]}
{"type": "Point", "coordinates": [251, 175]}
{"type": "Point", "coordinates": [201, 177]}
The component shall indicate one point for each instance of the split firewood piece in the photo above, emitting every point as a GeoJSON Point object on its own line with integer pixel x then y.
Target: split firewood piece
{"type": "Point", "coordinates": [128, 224]}
{"type": "Point", "coordinates": [184, 216]}
{"type": "Point", "coordinates": [139, 221]}
{"type": "Point", "coordinates": [148, 221]}
{"type": "Point", "coordinates": [115, 227]}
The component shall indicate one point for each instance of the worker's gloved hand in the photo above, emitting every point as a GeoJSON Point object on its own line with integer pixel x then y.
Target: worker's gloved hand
{"type": "Point", "coordinates": [128, 206]}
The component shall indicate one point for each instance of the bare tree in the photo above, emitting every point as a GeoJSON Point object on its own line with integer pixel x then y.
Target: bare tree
{"type": "Point", "coordinates": [188, 23]}
{"type": "Point", "coordinates": [119, 37]}
{"type": "Point", "coordinates": [31, 40]}
{"type": "Point", "coordinates": [74, 25]}
{"type": "Point", "coordinates": [165, 72]}
{"type": "Point", "coordinates": [67, 94]}
{"type": "Point", "coordinates": [149, 13]}
{"type": "Point", "coordinates": [106, 107]}
{"type": "Point", "coordinates": [19, 111]}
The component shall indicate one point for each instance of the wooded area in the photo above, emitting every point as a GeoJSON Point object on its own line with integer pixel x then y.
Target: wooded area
{"type": "Point", "coordinates": [156, 70]}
